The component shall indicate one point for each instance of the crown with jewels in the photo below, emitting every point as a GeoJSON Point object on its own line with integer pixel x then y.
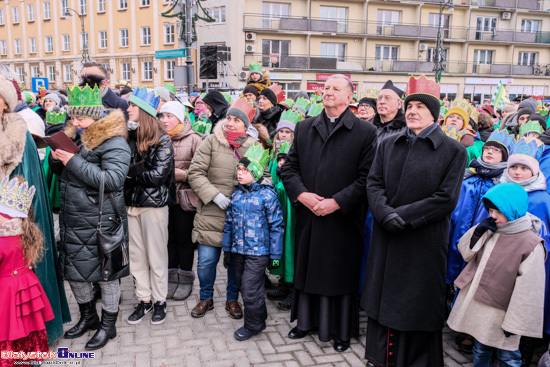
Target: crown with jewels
{"type": "Point", "coordinates": [422, 85]}
{"type": "Point", "coordinates": [317, 96]}
{"type": "Point", "coordinates": [370, 92]}
{"type": "Point", "coordinates": [15, 198]}
{"type": "Point", "coordinates": [530, 127]}
{"type": "Point", "coordinates": [301, 105]}
{"type": "Point", "coordinates": [255, 159]}
{"type": "Point", "coordinates": [246, 106]}
{"type": "Point", "coordinates": [452, 132]}
{"type": "Point", "coordinates": [279, 92]}
{"type": "Point", "coordinates": [530, 147]}
{"type": "Point", "coordinates": [288, 103]}
{"type": "Point", "coordinates": [56, 118]}
{"type": "Point", "coordinates": [284, 148]}
{"type": "Point", "coordinates": [146, 99]}
{"type": "Point", "coordinates": [84, 97]}
{"type": "Point", "coordinates": [504, 138]}
{"type": "Point", "coordinates": [315, 109]}
{"type": "Point", "coordinates": [255, 67]}
{"type": "Point", "coordinates": [171, 87]}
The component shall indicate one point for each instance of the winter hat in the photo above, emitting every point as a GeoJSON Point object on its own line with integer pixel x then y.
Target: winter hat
{"type": "Point", "coordinates": [269, 94]}
{"type": "Point", "coordinates": [146, 99]}
{"type": "Point", "coordinates": [125, 90]}
{"type": "Point", "coordinates": [302, 94]}
{"type": "Point", "coordinates": [369, 101]}
{"type": "Point", "coordinates": [289, 119]}
{"type": "Point", "coordinates": [255, 159]}
{"type": "Point", "coordinates": [502, 140]}
{"type": "Point", "coordinates": [525, 111]}
{"type": "Point", "coordinates": [175, 108]}
{"type": "Point", "coordinates": [8, 93]}
{"type": "Point", "coordinates": [85, 102]}
{"type": "Point", "coordinates": [389, 85]}
{"type": "Point", "coordinates": [163, 93]}
{"type": "Point", "coordinates": [243, 109]}
{"type": "Point", "coordinates": [423, 90]}
{"type": "Point", "coordinates": [250, 89]}
{"type": "Point", "coordinates": [54, 97]}
{"type": "Point", "coordinates": [194, 94]}
{"type": "Point", "coordinates": [527, 151]}
{"type": "Point", "coordinates": [529, 103]}
{"type": "Point", "coordinates": [17, 90]}
{"type": "Point", "coordinates": [509, 198]}
{"type": "Point", "coordinates": [488, 109]}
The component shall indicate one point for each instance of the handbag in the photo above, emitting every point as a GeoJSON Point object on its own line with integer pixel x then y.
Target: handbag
{"type": "Point", "coordinates": [113, 249]}
{"type": "Point", "coordinates": [188, 200]}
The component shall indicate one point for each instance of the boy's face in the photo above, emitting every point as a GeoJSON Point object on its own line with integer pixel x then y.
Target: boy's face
{"type": "Point", "coordinates": [255, 76]}
{"type": "Point", "coordinates": [244, 176]}
{"type": "Point", "coordinates": [281, 161]}
{"type": "Point", "coordinates": [491, 154]}
{"type": "Point", "coordinates": [519, 172]}
{"type": "Point", "coordinates": [497, 216]}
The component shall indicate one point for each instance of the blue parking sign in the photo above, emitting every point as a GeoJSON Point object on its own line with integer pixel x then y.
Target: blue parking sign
{"type": "Point", "coordinates": [39, 82]}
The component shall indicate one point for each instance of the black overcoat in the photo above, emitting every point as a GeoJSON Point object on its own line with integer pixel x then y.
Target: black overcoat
{"type": "Point", "coordinates": [328, 249]}
{"type": "Point", "coordinates": [405, 277]}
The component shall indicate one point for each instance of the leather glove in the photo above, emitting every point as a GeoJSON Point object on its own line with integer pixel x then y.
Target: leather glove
{"type": "Point", "coordinates": [484, 225]}
{"type": "Point", "coordinates": [226, 259]}
{"type": "Point", "coordinates": [274, 264]}
{"type": "Point", "coordinates": [136, 169]}
{"type": "Point", "coordinates": [222, 201]}
{"type": "Point", "coordinates": [507, 334]}
{"type": "Point", "coordinates": [395, 224]}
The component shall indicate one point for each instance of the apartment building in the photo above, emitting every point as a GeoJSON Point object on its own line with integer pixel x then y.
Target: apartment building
{"type": "Point", "coordinates": [301, 42]}
{"type": "Point", "coordinates": [39, 39]}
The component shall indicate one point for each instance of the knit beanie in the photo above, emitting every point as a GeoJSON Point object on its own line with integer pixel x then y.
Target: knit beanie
{"type": "Point", "coordinates": [526, 160]}
{"type": "Point", "coordinates": [54, 97]}
{"type": "Point", "coordinates": [125, 90]}
{"type": "Point", "coordinates": [243, 109]}
{"type": "Point", "coordinates": [369, 101]}
{"type": "Point", "coordinates": [430, 101]}
{"type": "Point", "coordinates": [269, 94]}
{"type": "Point", "coordinates": [529, 103]}
{"type": "Point", "coordinates": [458, 111]}
{"type": "Point", "coordinates": [163, 93]}
{"type": "Point", "coordinates": [250, 89]}
{"type": "Point", "coordinates": [525, 111]}
{"type": "Point", "coordinates": [8, 93]}
{"type": "Point", "coordinates": [175, 108]}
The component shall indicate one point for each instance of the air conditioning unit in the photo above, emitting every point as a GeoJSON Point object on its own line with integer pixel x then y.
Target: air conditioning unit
{"type": "Point", "coordinates": [250, 36]}
{"type": "Point", "coordinates": [506, 15]}
{"type": "Point", "coordinates": [423, 47]}
{"type": "Point", "coordinates": [250, 48]}
{"type": "Point", "coordinates": [242, 75]}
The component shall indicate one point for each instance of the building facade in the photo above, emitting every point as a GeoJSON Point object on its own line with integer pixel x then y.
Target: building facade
{"type": "Point", "coordinates": [303, 41]}
{"type": "Point", "coordinates": [45, 39]}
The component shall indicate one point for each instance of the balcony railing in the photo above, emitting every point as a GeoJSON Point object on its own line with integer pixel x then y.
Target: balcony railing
{"type": "Point", "coordinates": [501, 4]}
{"type": "Point", "coordinates": [402, 30]}
{"type": "Point", "coordinates": [508, 35]}
{"type": "Point", "coordinates": [304, 24]}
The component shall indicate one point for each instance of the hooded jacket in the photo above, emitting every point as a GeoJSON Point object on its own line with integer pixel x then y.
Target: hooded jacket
{"type": "Point", "coordinates": [397, 125]}
{"type": "Point", "coordinates": [185, 144]}
{"type": "Point", "coordinates": [219, 106]}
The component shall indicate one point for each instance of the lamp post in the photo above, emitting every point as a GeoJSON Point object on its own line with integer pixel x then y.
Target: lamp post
{"type": "Point", "coordinates": [85, 57]}
{"type": "Point", "coordinates": [439, 64]}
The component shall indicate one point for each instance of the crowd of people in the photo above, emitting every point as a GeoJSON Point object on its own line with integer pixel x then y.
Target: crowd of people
{"type": "Point", "coordinates": [420, 211]}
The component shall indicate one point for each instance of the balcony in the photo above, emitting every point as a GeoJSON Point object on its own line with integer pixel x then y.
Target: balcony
{"type": "Point", "coordinates": [403, 30]}
{"type": "Point", "coordinates": [507, 36]}
{"type": "Point", "coordinates": [259, 22]}
{"type": "Point", "coordinates": [500, 4]}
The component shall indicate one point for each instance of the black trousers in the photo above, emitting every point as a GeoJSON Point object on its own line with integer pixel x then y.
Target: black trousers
{"type": "Point", "coordinates": [180, 245]}
{"type": "Point", "coordinates": [249, 272]}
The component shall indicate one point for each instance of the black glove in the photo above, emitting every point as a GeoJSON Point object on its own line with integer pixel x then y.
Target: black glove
{"type": "Point", "coordinates": [274, 264]}
{"type": "Point", "coordinates": [484, 225]}
{"type": "Point", "coordinates": [226, 259]}
{"type": "Point", "coordinates": [395, 224]}
{"type": "Point", "coordinates": [136, 169]}
{"type": "Point", "coordinates": [507, 334]}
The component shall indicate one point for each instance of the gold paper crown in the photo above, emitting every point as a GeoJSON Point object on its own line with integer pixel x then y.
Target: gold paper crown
{"type": "Point", "coordinates": [370, 92]}
{"type": "Point", "coordinates": [15, 198]}
{"type": "Point", "coordinates": [461, 103]}
{"type": "Point", "coordinates": [452, 132]}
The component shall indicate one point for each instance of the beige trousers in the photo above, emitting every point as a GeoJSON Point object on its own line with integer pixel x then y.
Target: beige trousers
{"type": "Point", "coordinates": [148, 231]}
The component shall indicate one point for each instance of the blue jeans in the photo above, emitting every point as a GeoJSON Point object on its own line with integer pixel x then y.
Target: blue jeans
{"type": "Point", "coordinates": [484, 353]}
{"type": "Point", "coordinates": [206, 270]}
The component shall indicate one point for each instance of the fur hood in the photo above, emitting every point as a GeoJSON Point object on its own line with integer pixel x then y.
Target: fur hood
{"type": "Point", "coordinates": [218, 133]}
{"type": "Point", "coordinates": [103, 129]}
{"type": "Point", "coordinates": [13, 130]}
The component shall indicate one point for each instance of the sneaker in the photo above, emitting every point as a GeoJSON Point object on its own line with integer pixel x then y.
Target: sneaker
{"type": "Point", "coordinates": [139, 313]}
{"type": "Point", "coordinates": [286, 304]}
{"type": "Point", "coordinates": [278, 294]}
{"type": "Point", "coordinates": [159, 313]}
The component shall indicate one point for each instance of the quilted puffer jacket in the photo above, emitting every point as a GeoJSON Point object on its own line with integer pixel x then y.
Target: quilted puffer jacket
{"type": "Point", "coordinates": [156, 187]}
{"type": "Point", "coordinates": [254, 222]}
{"type": "Point", "coordinates": [103, 147]}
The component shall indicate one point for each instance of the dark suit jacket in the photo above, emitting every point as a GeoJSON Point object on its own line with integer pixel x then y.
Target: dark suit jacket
{"type": "Point", "coordinates": [112, 101]}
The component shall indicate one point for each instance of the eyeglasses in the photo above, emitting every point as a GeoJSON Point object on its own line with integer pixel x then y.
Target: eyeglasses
{"type": "Point", "coordinates": [492, 149]}
{"type": "Point", "coordinates": [386, 98]}
{"type": "Point", "coordinates": [364, 105]}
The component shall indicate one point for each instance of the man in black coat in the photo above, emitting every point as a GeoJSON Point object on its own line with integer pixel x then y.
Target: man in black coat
{"type": "Point", "coordinates": [325, 176]}
{"type": "Point", "coordinates": [217, 105]}
{"type": "Point", "coordinates": [389, 118]}
{"type": "Point", "coordinates": [412, 189]}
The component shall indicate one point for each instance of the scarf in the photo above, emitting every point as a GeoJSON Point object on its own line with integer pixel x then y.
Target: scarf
{"type": "Point", "coordinates": [270, 112]}
{"type": "Point", "coordinates": [422, 135]}
{"type": "Point", "coordinates": [522, 224]}
{"type": "Point", "coordinates": [486, 170]}
{"type": "Point", "coordinates": [80, 131]}
{"type": "Point", "coordinates": [534, 183]}
{"type": "Point", "coordinates": [132, 125]}
{"type": "Point", "coordinates": [234, 139]}
{"type": "Point", "coordinates": [175, 131]}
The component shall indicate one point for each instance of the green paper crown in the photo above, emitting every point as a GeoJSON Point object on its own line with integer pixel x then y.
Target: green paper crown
{"type": "Point", "coordinates": [301, 105]}
{"type": "Point", "coordinates": [56, 118]}
{"type": "Point", "coordinates": [227, 97]}
{"type": "Point", "coordinates": [258, 158]}
{"type": "Point", "coordinates": [291, 116]}
{"type": "Point", "coordinates": [201, 127]}
{"type": "Point", "coordinates": [530, 127]}
{"type": "Point", "coordinates": [284, 148]}
{"type": "Point", "coordinates": [202, 95]}
{"type": "Point", "coordinates": [255, 67]}
{"type": "Point", "coordinates": [288, 103]}
{"type": "Point", "coordinates": [543, 112]}
{"type": "Point", "coordinates": [84, 97]}
{"type": "Point", "coordinates": [171, 87]}
{"type": "Point", "coordinates": [316, 98]}
{"type": "Point", "coordinates": [28, 96]}
{"type": "Point", "coordinates": [315, 109]}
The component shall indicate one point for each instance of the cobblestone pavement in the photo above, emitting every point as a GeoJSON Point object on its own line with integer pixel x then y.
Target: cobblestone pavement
{"type": "Point", "coordinates": [208, 341]}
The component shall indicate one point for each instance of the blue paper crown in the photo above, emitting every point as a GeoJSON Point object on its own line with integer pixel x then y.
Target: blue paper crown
{"type": "Point", "coordinates": [531, 147]}
{"type": "Point", "coordinates": [502, 137]}
{"type": "Point", "coordinates": [147, 99]}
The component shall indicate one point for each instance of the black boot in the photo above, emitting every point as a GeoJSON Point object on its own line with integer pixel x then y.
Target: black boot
{"type": "Point", "coordinates": [88, 321]}
{"type": "Point", "coordinates": [527, 347]}
{"type": "Point", "coordinates": [107, 331]}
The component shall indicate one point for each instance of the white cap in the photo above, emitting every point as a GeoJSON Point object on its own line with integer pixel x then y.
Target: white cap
{"type": "Point", "coordinates": [175, 108]}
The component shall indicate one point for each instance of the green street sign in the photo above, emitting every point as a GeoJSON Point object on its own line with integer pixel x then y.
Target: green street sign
{"type": "Point", "coordinates": [168, 54]}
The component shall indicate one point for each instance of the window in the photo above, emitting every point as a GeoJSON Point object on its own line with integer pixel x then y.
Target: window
{"type": "Point", "coordinates": [21, 73]}
{"type": "Point", "coordinates": [51, 73]}
{"type": "Point", "coordinates": [169, 34]}
{"type": "Point", "coordinates": [30, 12]}
{"type": "Point", "coordinates": [122, 4]}
{"type": "Point", "coordinates": [49, 44]}
{"type": "Point", "coordinates": [82, 6]}
{"type": "Point", "coordinates": [169, 66]}
{"type": "Point", "coordinates": [101, 6]}
{"type": "Point", "coordinates": [482, 57]}
{"type": "Point", "coordinates": [15, 15]}
{"type": "Point", "coordinates": [83, 40]}
{"type": "Point", "coordinates": [35, 71]}
{"type": "Point", "coordinates": [17, 43]}
{"type": "Point", "coordinates": [2, 21]}
{"type": "Point", "coordinates": [334, 50]}
{"type": "Point", "coordinates": [144, 3]}
{"type": "Point", "coordinates": [485, 25]}
{"type": "Point", "coordinates": [47, 11]}
{"type": "Point", "coordinates": [531, 26]}
{"type": "Point", "coordinates": [64, 8]}
{"type": "Point", "coordinates": [147, 70]}
{"type": "Point", "coordinates": [430, 55]}
{"type": "Point", "coordinates": [123, 37]}
{"type": "Point", "coordinates": [386, 19]}
{"type": "Point", "coordinates": [528, 58]}
{"type": "Point", "coordinates": [218, 13]}
{"type": "Point", "coordinates": [32, 45]}
{"type": "Point", "coordinates": [386, 52]}
{"type": "Point", "coordinates": [445, 23]}
{"type": "Point", "coordinates": [3, 48]}
{"type": "Point", "coordinates": [335, 14]}
{"type": "Point", "coordinates": [103, 39]}
{"type": "Point", "coordinates": [66, 42]}
{"type": "Point", "coordinates": [145, 36]}
{"type": "Point", "coordinates": [274, 11]}
{"type": "Point", "coordinates": [68, 73]}
{"type": "Point", "coordinates": [125, 71]}
{"type": "Point", "coordinates": [273, 51]}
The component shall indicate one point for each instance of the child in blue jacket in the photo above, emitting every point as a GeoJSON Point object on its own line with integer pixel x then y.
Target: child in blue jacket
{"type": "Point", "coordinates": [253, 237]}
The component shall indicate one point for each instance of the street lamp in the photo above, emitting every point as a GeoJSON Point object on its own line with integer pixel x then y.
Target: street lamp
{"type": "Point", "coordinates": [439, 64]}
{"type": "Point", "coordinates": [85, 57]}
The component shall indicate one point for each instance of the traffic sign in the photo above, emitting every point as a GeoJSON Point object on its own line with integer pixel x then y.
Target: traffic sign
{"type": "Point", "coordinates": [39, 82]}
{"type": "Point", "coordinates": [168, 54]}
